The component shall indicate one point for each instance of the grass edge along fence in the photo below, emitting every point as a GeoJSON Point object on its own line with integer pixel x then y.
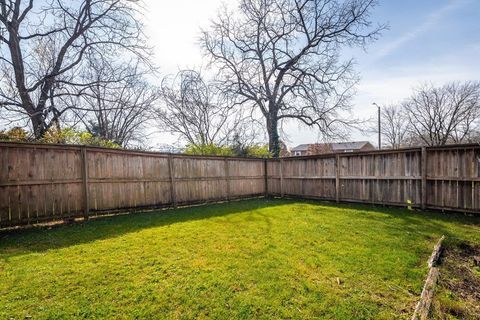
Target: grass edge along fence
{"type": "Point", "coordinates": [50, 182]}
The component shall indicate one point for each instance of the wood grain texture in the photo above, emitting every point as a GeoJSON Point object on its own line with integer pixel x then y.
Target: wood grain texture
{"type": "Point", "coordinates": [445, 178]}
{"type": "Point", "coordinates": [423, 307]}
{"type": "Point", "coordinates": [40, 183]}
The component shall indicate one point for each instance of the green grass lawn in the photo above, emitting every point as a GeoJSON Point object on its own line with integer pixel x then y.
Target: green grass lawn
{"type": "Point", "coordinates": [255, 259]}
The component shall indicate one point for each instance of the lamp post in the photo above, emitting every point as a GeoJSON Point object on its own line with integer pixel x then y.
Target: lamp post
{"type": "Point", "coordinates": [379, 128]}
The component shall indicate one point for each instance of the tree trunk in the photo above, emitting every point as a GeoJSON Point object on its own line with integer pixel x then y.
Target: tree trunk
{"type": "Point", "coordinates": [273, 137]}
{"type": "Point", "coordinates": [38, 125]}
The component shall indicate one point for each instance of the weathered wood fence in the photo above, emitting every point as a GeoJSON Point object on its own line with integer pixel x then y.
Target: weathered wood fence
{"type": "Point", "coordinates": [446, 178]}
{"type": "Point", "coordinates": [50, 182]}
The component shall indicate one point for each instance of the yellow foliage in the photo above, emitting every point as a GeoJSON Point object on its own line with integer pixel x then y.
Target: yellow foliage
{"type": "Point", "coordinates": [15, 134]}
{"type": "Point", "coordinates": [57, 135]}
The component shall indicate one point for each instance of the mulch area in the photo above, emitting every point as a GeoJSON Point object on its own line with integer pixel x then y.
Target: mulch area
{"type": "Point", "coordinates": [459, 286]}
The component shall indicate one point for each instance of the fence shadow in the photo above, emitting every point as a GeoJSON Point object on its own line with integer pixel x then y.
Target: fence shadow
{"type": "Point", "coordinates": [418, 221]}
{"type": "Point", "coordinates": [42, 238]}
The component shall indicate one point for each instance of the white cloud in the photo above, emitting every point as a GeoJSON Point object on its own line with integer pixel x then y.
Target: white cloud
{"type": "Point", "coordinates": [173, 28]}
{"type": "Point", "coordinates": [430, 21]}
{"type": "Point", "coordinates": [395, 83]}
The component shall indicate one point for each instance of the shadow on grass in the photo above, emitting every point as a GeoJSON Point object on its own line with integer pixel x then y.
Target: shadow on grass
{"type": "Point", "coordinates": [427, 222]}
{"type": "Point", "coordinates": [39, 239]}
{"type": "Point", "coordinates": [42, 238]}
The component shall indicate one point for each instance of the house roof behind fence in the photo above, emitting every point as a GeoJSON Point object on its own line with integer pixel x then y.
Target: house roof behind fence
{"type": "Point", "coordinates": [301, 147]}
{"type": "Point", "coordinates": [335, 146]}
{"type": "Point", "coordinates": [348, 145]}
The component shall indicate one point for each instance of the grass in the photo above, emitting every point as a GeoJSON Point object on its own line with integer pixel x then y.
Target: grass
{"type": "Point", "coordinates": [258, 259]}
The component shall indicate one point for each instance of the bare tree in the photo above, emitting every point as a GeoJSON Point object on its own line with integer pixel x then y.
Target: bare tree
{"type": "Point", "coordinates": [43, 48]}
{"type": "Point", "coordinates": [194, 110]}
{"type": "Point", "coordinates": [119, 102]}
{"type": "Point", "coordinates": [394, 126]}
{"type": "Point", "coordinates": [282, 58]}
{"type": "Point", "coordinates": [447, 114]}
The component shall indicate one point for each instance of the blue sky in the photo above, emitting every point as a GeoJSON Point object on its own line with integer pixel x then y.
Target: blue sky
{"type": "Point", "coordinates": [425, 33]}
{"type": "Point", "coordinates": [421, 31]}
{"type": "Point", "coordinates": [428, 41]}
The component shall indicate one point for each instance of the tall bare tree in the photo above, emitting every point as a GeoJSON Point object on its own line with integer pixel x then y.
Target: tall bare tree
{"type": "Point", "coordinates": [196, 111]}
{"type": "Point", "coordinates": [446, 114]}
{"type": "Point", "coordinates": [43, 45]}
{"type": "Point", "coordinates": [281, 57]}
{"type": "Point", "coordinates": [119, 102]}
{"type": "Point", "coordinates": [394, 126]}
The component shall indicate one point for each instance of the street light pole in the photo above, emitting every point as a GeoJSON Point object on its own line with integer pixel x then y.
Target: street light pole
{"type": "Point", "coordinates": [379, 128]}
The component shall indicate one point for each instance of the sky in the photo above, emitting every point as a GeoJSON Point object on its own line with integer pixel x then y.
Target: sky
{"type": "Point", "coordinates": [432, 41]}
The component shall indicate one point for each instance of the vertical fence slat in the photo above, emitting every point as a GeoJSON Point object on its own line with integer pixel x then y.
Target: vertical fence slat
{"type": "Point", "coordinates": [265, 165]}
{"type": "Point", "coordinates": [227, 178]}
{"type": "Point", "coordinates": [171, 173]}
{"type": "Point", "coordinates": [423, 172]}
{"type": "Point", "coordinates": [281, 178]}
{"type": "Point", "coordinates": [86, 196]}
{"type": "Point", "coordinates": [337, 177]}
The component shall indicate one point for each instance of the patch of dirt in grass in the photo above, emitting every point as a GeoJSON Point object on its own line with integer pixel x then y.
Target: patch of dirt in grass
{"type": "Point", "coordinates": [458, 294]}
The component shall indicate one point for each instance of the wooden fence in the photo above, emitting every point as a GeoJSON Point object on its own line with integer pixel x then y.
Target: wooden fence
{"type": "Point", "coordinates": [51, 182]}
{"type": "Point", "coordinates": [446, 178]}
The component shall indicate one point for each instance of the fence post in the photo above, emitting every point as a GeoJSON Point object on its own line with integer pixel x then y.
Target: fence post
{"type": "Point", "coordinates": [281, 177]}
{"type": "Point", "coordinates": [424, 178]}
{"type": "Point", "coordinates": [227, 178]}
{"type": "Point", "coordinates": [337, 177]}
{"type": "Point", "coordinates": [266, 177]}
{"type": "Point", "coordinates": [171, 173]}
{"type": "Point", "coordinates": [86, 197]}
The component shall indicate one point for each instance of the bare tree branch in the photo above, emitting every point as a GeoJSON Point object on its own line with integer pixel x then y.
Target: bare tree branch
{"type": "Point", "coordinates": [447, 114]}
{"type": "Point", "coordinates": [194, 110]}
{"type": "Point", "coordinates": [118, 101]}
{"type": "Point", "coordinates": [44, 48]}
{"type": "Point", "coordinates": [282, 57]}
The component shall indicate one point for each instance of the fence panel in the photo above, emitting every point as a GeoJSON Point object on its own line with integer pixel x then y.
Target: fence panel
{"type": "Point", "coordinates": [389, 177]}
{"type": "Point", "coordinates": [453, 178]}
{"type": "Point", "coordinates": [39, 183]}
{"type": "Point", "coordinates": [310, 177]}
{"type": "Point", "coordinates": [119, 179]}
{"type": "Point", "coordinates": [51, 182]}
{"type": "Point", "coordinates": [245, 178]}
{"type": "Point", "coordinates": [446, 178]}
{"type": "Point", "coordinates": [273, 177]}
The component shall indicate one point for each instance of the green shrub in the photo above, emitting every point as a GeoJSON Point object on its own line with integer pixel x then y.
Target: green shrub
{"type": "Point", "coordinates": [209, 150]}
{"type": "Point", "coordinates": [57, 136]}
{"type": "Point", "coordinates": [15, 134]}
{"type": "Point", "coordinates": [72, 136]}
{"type": "Point", "coordinates": [258, 151]}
